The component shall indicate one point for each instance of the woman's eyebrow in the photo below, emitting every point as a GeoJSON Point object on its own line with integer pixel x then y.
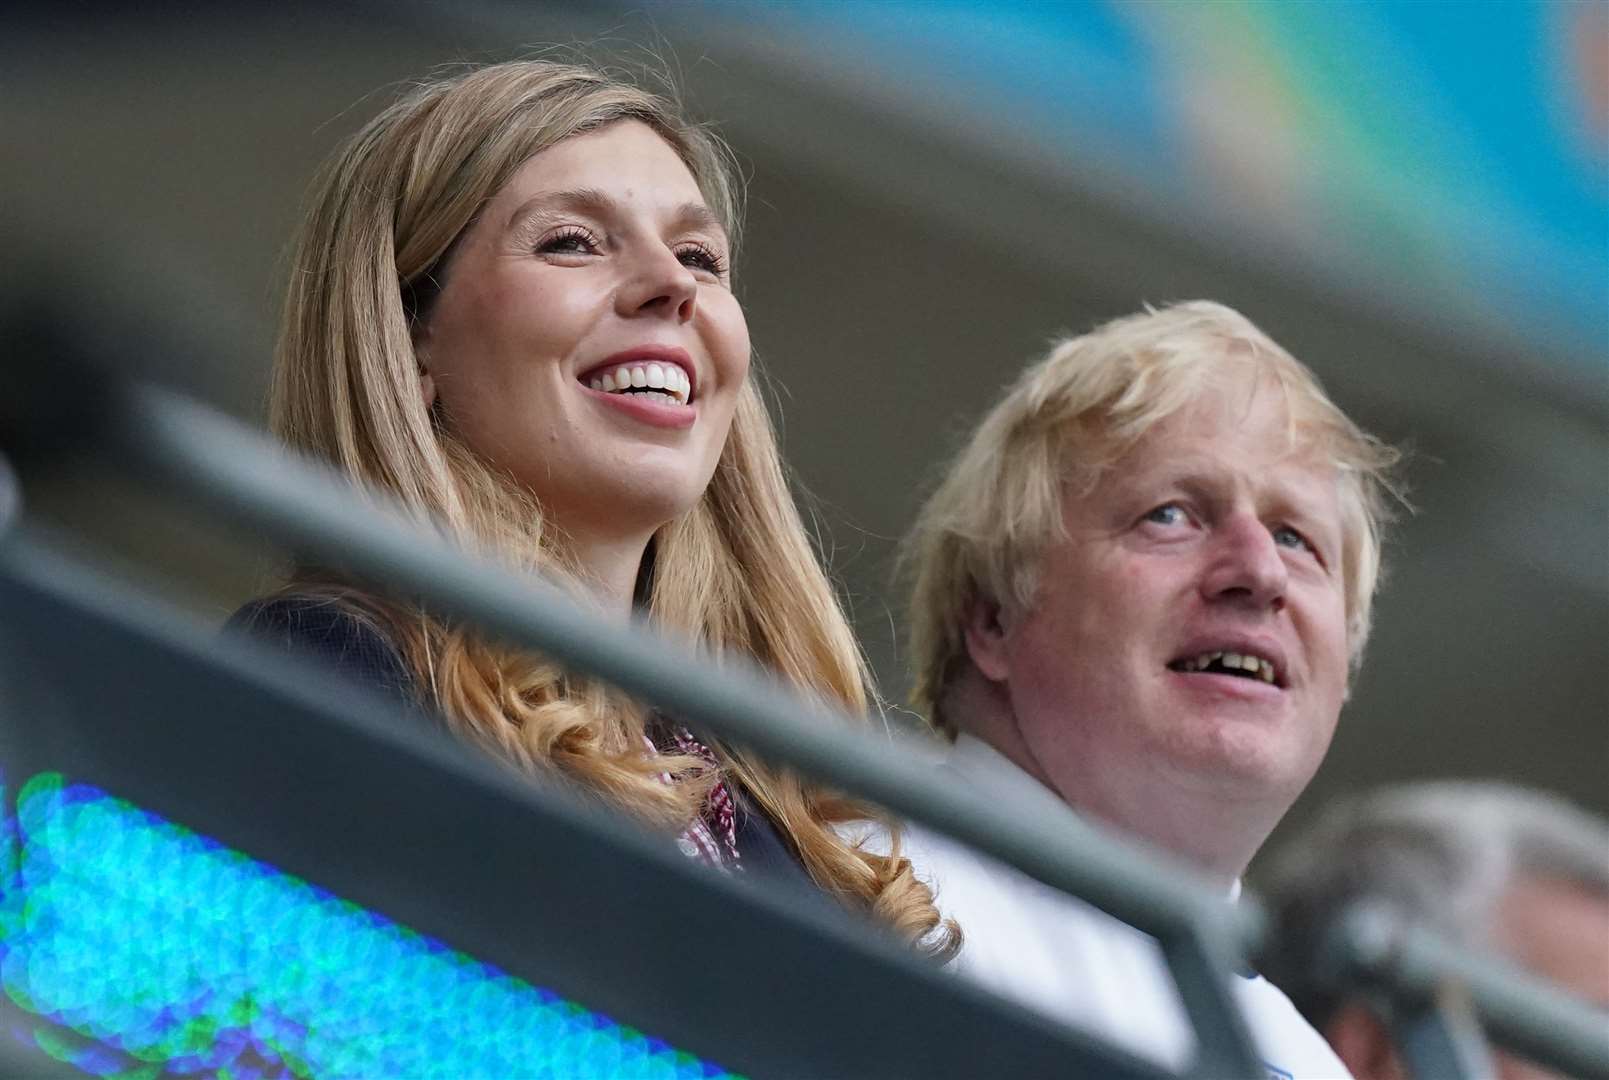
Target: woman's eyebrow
{"type": "Point", "coordinates": [577, 200]}
{"type": "Point", "coordinates": [595, 203]}
{"type": "Point", "coordinates": [695, 215]}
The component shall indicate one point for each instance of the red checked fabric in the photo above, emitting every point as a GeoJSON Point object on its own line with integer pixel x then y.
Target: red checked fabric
{"type": "Point", "coordinates": [711, 838]}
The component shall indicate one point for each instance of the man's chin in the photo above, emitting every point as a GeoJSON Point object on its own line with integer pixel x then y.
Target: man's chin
{"type": "Point", "coordinates": [1247, 758]}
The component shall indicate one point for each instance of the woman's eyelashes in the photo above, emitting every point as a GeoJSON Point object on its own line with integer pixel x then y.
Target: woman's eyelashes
{"type": "Point", "coordinates": [573, 240]}
{"type": "Point", "coordinates": [570, 240]}
{"type": "Point", "coordinates": [696, 255]}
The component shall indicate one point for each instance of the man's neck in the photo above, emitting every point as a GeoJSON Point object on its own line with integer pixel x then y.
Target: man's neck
{"type": "Point", "coordinates": [1215, 833]}
{"type": "Point", "coordinates": [1208, 824]}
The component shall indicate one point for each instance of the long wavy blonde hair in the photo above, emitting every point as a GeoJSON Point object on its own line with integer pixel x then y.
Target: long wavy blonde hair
{"type": "Point", "coordinates": [736, 573]}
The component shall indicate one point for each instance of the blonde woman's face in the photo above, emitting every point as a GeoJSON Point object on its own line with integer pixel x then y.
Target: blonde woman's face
{"type": "Point", "coordinates": [586, 339]}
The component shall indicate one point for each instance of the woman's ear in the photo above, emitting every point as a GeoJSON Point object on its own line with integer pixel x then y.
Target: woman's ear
{"type": "Point", "coordinates": [427, 387]}
{"type": "Point", "coordinates": [427, 381]}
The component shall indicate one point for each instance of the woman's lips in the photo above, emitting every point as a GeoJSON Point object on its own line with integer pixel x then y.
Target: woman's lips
{"type": "Point", "coordinates": [654, 408]}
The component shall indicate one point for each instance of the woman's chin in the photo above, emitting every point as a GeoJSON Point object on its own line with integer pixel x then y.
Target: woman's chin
{"type": "Point", "coordinates": [622, 508]}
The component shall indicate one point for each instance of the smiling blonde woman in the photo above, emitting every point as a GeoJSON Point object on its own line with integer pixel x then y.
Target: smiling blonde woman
{"type": "Point", "coordinates": [510, 308]}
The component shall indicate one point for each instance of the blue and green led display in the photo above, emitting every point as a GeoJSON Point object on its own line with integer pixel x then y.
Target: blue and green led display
{"type": "Point", "coordinates": [146, 950]}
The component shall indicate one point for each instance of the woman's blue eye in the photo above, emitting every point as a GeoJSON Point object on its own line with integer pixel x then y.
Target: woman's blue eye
{"type": "Point", "coordinates": [1167, 514]}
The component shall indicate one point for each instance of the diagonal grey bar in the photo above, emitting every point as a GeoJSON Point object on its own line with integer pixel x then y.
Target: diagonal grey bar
{"type": "Point", "coordinates": [1372, 945]}
{"type": "Point", "coordinates": [1441, 1038]}
{"type": "Point", "coordinates": [252, 482]}
{"type": "Point", "coordinates": [1223, 1039]}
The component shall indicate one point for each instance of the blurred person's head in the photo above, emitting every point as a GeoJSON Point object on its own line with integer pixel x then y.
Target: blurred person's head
{"type": "Point", "coordinates": [510, 308]}
{"type": "Point", "coordinates": [1489, 865]}
{"type": "Point", "coordinates": [1149, 573]}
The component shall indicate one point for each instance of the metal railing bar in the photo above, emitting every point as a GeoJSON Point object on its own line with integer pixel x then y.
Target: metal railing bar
{"type": "Point", "coordinates": [1416, 967]}
{"type": "Point", "coordinates": [1224, 1045]}
{"type": "Point", "coordinates": [252, 482]}
{"type": "Point", "coordinates": [10, 497]}
{"type": "Point", "coordinates": [1441, 1038]}
{"type": "Point", "coordinates": [63, 613]}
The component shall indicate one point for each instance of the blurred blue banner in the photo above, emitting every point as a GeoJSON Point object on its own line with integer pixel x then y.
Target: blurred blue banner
{"type": "Point", "coordinates": [1425, 149]}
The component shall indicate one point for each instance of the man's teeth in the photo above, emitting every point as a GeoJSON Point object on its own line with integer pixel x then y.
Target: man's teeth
{"type": "Point", "coordinates": [667, 377]}
{"type": "Point", "coordinates": [1232, 661]}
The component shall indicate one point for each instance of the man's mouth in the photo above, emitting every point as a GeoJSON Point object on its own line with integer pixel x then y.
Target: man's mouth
{"type": "Point", "coordinates": [665, 383]}
{"type": "Point", "coordinates": [1244, 665]}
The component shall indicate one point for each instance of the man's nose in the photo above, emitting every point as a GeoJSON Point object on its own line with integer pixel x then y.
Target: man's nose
{"type": "Point", "coordinates": [657, 282]}
{"type": "Point", "coordinates": [1246, 566]}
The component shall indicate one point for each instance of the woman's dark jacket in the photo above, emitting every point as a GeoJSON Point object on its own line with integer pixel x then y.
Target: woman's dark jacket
{"type": "Point", "coordinates": [329, 631]}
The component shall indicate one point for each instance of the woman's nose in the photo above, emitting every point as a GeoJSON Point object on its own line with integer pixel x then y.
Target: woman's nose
{"type": "Point", "coordinates": [657, 282]}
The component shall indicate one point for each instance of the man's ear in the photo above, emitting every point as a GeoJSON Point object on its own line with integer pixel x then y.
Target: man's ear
{"type": "Point", "coordinates": [985, 635]}
{"type": "Point", "coordinates": [1363, 1043]}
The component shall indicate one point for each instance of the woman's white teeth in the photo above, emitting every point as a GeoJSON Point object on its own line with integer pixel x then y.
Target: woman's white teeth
{"type": "Point", "coordinates": [1233, 661]}
{"type": "Point", "coordinates": [667, 377]}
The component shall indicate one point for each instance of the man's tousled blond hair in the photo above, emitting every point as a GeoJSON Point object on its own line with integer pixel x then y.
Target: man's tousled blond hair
{"type": "Point", "coordinates": [1064, 422]}
{"type": "Point", "coordinates": [736, 573]}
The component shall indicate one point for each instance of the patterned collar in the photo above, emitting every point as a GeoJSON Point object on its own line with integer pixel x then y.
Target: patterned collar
{"type": "Point", "coordinates": [711, 837]}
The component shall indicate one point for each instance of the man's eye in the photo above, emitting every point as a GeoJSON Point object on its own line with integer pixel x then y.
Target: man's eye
{"type": "Point", "coordinates": [1285, 536]}
{"type": "Point", "coordinates": [1167, 514]}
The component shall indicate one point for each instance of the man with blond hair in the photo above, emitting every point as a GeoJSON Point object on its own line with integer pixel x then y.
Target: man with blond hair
{"type": "Point", "coordinates": [1144, 583]}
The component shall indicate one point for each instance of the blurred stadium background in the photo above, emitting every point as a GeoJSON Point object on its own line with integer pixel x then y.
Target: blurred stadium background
{"type": "Point", "coordinates": [1413, 197]}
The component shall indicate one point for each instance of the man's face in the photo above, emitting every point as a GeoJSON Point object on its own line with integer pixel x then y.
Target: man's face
{"type": "Point", "coordinates": [1211, 542]}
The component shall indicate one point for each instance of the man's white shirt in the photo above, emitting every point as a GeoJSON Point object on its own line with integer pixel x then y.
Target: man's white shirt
{"type": "Point", "coordinates": [1059, 956]}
